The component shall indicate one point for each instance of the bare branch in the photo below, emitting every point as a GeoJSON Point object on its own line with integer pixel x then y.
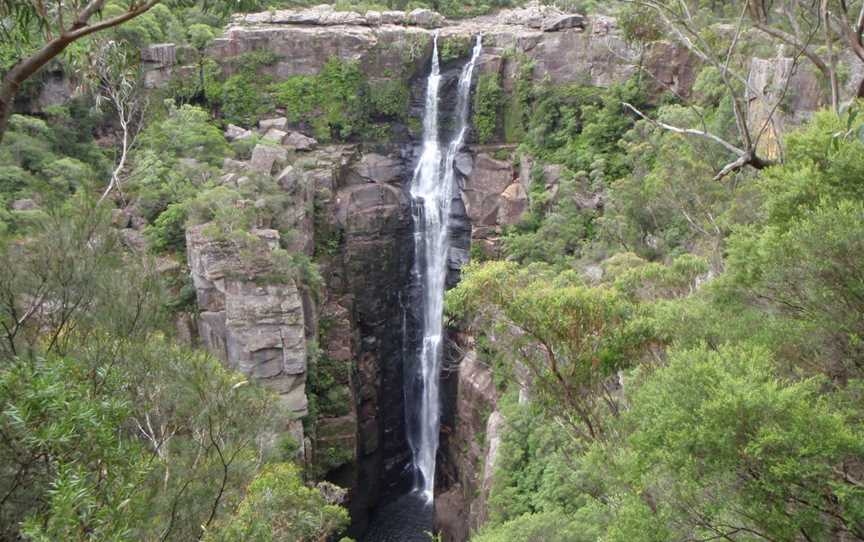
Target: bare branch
{"type": "Point", "coordinates": [688, 131]}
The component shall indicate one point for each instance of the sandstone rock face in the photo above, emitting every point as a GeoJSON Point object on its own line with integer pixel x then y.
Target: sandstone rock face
{"type": "Point", "coordinates": [299, 141]}
{"type": "Point", "coordinates": [376, 168]}
{"type": "Point", "coordinates": [234, 133]}
{"type": "Point", "coordinates": [264, 157]}
{"type": "Point", "coordinates": [278, 123]}
{"type": "Point", "coordinates": [483, 188]}
{"type": "Point", "coordinates": [494, 193]}
{"type": "Point", "coordinates": [563, 22]}
{"type": "Point", "coordinates": [363, 240]}
{"type": "Point", "coordinates": [254, 327]}
{"type": "Point", "coordinates": [158, 63]}
{"type": "Point", "coordinates": [275, 135]}
{"type": "Point", "coordinates": [767, 80]}
{"type": "Point", "coordinates": [161, 54]}
{"type": "Point", "coordinates": [461, 508]}
{"type": "Point", "coordinates": [565, 48]}
{"type": "Point", "coordinates": [425, 18]}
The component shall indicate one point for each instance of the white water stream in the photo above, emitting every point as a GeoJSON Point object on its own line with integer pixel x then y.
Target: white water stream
{"type": "Point", "coordinates": [432, 192]}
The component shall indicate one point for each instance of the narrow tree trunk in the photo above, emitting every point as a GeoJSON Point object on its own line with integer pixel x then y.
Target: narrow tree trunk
{"type": "Point", "coordinates": [7, 100]}
{"type": "Point", "coordinates": [832, 59]}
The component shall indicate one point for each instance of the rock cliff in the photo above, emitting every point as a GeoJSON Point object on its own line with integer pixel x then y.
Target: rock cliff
{"type": "Point", "coordinates": [338, 357]}
{"type": "Point", "coordinates": [353, 214]}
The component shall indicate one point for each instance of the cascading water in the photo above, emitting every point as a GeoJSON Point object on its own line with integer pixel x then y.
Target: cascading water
{"type": "Point", "coordinates": [432, 193]}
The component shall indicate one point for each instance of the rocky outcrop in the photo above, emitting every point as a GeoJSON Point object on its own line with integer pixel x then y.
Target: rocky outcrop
{"type": "Point", "coordinates": [158, 62]}
{"type": "Point", "coordinates": [346, 208]}
{"type": "Point", "coordinates": [362, 244]}
{"type": "Point", "coordinates": [254, 325]}
{"type": "Point", "coordinates": [781, 94]}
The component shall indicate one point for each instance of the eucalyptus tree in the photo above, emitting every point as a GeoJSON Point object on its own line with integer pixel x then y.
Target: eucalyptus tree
{"type": "Point", "coordinates": [34, 32]}
{"type": "Point", "coordinates": [822, 32]}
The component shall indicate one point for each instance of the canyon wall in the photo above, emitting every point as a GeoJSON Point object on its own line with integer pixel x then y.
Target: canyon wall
{"type": "Point", "coordinates": [353, 216]}
{"type": "Point", "coordinates": [352, 210]}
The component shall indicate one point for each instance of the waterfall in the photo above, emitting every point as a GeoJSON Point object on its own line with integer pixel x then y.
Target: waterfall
{"type": "Point", "coordinates": [432, 193]}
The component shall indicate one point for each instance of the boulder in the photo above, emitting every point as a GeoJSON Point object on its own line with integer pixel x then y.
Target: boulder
{"type": "Point", "coordinates": [563, 22]}
{"type": "Point", "coordinates": [25, 204]}
{"type": "Point", "coordinates": [373, 18]}
{"type": "Point", "coordinates": [265, 156]}
{"type": "Point", "coordinates": [425, 18]}
{"type": "Point", "coordinates": [514, 203]}
{"type": "Point", "coordinates": [531, 15]}
{"type": "Point", "coordinates": [275, 135]}
{"type": "Point", "coordinates": [393, 17]}
{"type": "Point", "coordinates": [378, 168]}
{"type": "Point", "coordinates": [299, 141]}
{"type": "Point", "coordinates": [278, 123]}
{"type": "Point", "coordinates": [234, 133]}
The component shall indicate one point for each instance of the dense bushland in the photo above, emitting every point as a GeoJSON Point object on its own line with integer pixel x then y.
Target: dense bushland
{"type": "Point", "coordinates": [705, 383]}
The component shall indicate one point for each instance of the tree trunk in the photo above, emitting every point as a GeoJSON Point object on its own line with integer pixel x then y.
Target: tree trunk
{"type": "Point", "coordinates": [26, 67]}
{"type": "Point", "coordinates": [7, 100]}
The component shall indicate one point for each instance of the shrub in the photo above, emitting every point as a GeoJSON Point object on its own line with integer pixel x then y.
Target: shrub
{"type": "Point", "coordinates": [488, 100]}
{"type": "Point", "coordinates": [168, 231]}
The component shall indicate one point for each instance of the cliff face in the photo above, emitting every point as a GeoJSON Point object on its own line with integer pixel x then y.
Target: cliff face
{"type": "Point", "coordinates": [563, 48]}
{"type": "Point", "coordinates": [337, 358]}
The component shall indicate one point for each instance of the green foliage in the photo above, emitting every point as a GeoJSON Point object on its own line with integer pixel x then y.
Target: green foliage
{"type": "Point", "coordinates": [517, 107]}
{"type": "Point", "coordinates": [571, 337]}
{"type": "Point", "coordinates": [48, 161]}
{"type": "Point", "coordinates": [389, 98]}
{"type": "Point", "coordinates": [488, 99]}
{"type": "Point", "coordinates": [243, 98]}
{"type": "Point", "coordinates": [554, 231]}
{"type": "Point", "coordinates": [158, 25]}
{"type": "Point", "coordinates": [454, 47]}
{"type": "Point", "coordinates": [641, 24]}
{"type": "Point", "coordinates": [49, 412]}
{"type": "Point", "coordinates": [329, 383]}
{"type": "Point", "coordinates": [747, 414]}
{"type": "Point", "coordinates": [297, 95]}
{"type": "Point", "coordinates": [186, 132]}
{"type": "Point", "coordinates": [168, 231]}
{"type": "Point", "coordinates": [200, 36]}
{"type": "Point", "coordinates": [178, 156]}
{"type": "Point", "coordinates": [340, 103]}
{"type": "Point", "coordinates": [740, 446]}
{"type": "Point", "coordinates": [119, 434]}
{"type": "Point", "coordinates": [279, 508]}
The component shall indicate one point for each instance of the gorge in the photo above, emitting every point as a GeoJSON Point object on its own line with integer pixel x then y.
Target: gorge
{"type": "Point", "coordinates": [501, 272]}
